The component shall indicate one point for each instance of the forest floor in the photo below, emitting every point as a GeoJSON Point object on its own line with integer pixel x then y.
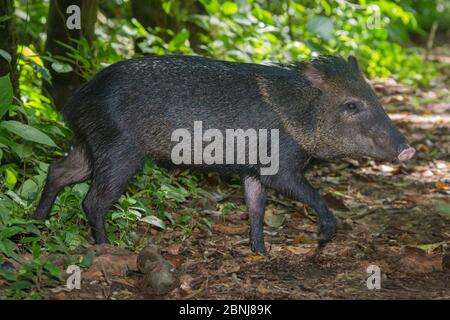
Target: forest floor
{"type": "Point", "coordinates": [391, 215]}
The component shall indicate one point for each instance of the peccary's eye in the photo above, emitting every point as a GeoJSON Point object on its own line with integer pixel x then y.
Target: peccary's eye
{"type": "Point", "coordinates": [351, 106]}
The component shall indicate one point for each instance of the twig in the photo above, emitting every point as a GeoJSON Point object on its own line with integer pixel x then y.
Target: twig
{"type": "Point", "coordinates": [108, 281]}
{"type": "Point", "coordinates": [431, 38]}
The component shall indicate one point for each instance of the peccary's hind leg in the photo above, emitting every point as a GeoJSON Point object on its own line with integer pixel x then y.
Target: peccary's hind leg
{"type": "Point", "coordinates": [76, 167]}
{"type": "Point", "coordinates": [109, 180]}
{"type": "Point", "coordinates": [255, 198]}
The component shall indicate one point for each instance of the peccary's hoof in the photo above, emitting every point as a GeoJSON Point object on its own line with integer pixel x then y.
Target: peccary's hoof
{"type": "Point", "coordinates": [327, 230]}
{"type": "Point", "coordinates": [259, 249]}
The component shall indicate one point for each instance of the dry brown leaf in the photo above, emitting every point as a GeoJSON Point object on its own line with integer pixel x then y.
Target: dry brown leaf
{"type": "Point", "coordinates": [92, 275]}
{"type": "Point", "coordinates": [174, 249]}
{"type": "Point", "coordinates": [230, 229]}
{"type": "Point", "coordinates": [262, 289]}
{"type": "Point", "coordinates": [255, 258]}
{"type": "Point", "coordinates": [298, 249]}
{"type": "Point", "coordinates": [423, 148]}
{"type": "Point", "coordinates": [185, 282]}
{"type": "Point", "coordinates": [176, 261]}
{"type": "Point", "coordinates": [442, 185]}
{"type": "Point", "coordinates": [59, 296]}
{"type": "Point", "coordinates": [416, 260]}
{"type": "Point", "coordinates": [334, 202]}
{"type": "Point", "coordinates": [230, 266]}
{"type": "Point", "coordinates": [301, 239]}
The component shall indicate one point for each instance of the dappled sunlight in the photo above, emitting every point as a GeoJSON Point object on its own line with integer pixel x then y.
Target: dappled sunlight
{"type": "Point", "coordinates": [422, 121]}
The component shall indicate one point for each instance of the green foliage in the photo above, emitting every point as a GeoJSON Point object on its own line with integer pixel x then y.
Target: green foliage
{"type": "Point", "coordinates": [430, 11]}
{"type": "Point", "coordinates": [375, 31]}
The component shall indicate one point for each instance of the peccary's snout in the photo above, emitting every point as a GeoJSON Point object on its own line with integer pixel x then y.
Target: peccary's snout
{"type": "Point", "coordinates": [406, 152]}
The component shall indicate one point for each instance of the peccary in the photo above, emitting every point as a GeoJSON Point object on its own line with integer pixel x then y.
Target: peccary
{"type": "Point", "coordinates": [322, 108]}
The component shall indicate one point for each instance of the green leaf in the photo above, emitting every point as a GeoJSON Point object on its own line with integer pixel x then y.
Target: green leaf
{"type": "Point", "coordinates": [87, 260]}
{"type": "Point", "coordinates": [229, 8]}
{"type": "Point", "coordinates": [35, 250]}
{"type": "Point", "coordinates": [442, 207]}
{"type": "Point", "coordinates": [154, 221]}
{"type": "Point", "coordinates": [11, 231]}
{"type": "Point", "coordinates": [263, 15]}
{"type": "Point", "coordinates": [27, 132]}
{"type": "Point", "coordinates": [28, 190]}
{"type": "Point", "coordinates": [179, 40]}
{"type": "Point", "coordinates": [212, 6]}
{"type": "Point", "coordinates": [8, 247]}
{"type": "Point", "coordinates": [5, 55]}
{"type": "Point", "coordinates": [10, 177]}
{"type": "Point", "coordinates": [326, 7]}
{"type": "Point", "coordinates": [21, 285]}
{"type": "Point", "coordinates": [321, 26]}
{"type": "Point", "coordinates": [61, 67]}
{"type": "Point", "coordinates": [8, 275]}
{"type": "Point", "coordinates": [32, 229]}
{"type": "Point", "coordinates": [53, 269]}
{"type": "Point", "coordinates": [6, 94]}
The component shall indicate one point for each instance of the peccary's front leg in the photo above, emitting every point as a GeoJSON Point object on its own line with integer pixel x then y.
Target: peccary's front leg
{"type": "Point", "coordinates": [255, 198]}
{"type": "Point", "coordinates": [296, 187]}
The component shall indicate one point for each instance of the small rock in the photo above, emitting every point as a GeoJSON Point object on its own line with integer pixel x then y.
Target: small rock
{"type": "Point", "coordinates": [159, 275]}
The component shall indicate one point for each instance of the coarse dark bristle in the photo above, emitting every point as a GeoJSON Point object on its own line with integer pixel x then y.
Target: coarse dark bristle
{"type": "Point", "coordinates": [330, 65]}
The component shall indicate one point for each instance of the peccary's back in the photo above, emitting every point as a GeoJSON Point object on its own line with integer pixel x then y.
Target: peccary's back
{"type": "Point", "coordinates": [146, 99]}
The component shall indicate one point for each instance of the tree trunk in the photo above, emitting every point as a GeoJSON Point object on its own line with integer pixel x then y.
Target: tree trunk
{"type": "Point", "coordinates": [64, 84]}
{"type": "Point", "coordinates": [150, 13]}
{"type": "Point", "coordinates": [8, 44]}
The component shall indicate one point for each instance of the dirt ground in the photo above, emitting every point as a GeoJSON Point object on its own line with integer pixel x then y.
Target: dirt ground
{"type": "Point", "coordinates": [391, 215]}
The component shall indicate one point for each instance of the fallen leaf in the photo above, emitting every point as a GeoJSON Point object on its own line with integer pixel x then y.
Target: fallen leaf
{"type": "Point", "coordinates": [301, 239]}
{"type": "Point", "coordinates": [423, 148]}
{"type": "Point", "coordinates": [443, 185]}
{"type": "Point", "coordinates": [230, 229]}
{"type": "Point", "coordinates": [262, 289]}
{"type": "Point", "coordinates": [230, 266]}
{"type": "Point", "coordinates": [174, 249]}
{"type": "Point", "coordinates": [185, 282]}
{"type": "Point", "coordinates": [255, 258]}
{"type": "Point", "coordinates": [416, 260]}
{"type": "Point", "coordinates": [59, 296]}
{"type": "Point", "coordinates": [176, 261]}
{"type": "Point", "coordinates": [334, 202]}
{"type": "Point", "coordinates": [298, 249]}
{"type": "Point", "coordinates": [92, 275]}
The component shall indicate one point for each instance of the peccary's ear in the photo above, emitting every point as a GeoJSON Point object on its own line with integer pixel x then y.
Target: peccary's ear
{"type": "Point", "coordinates": [315, 76]}
{"type": "Point", "coordinates": [353, 62]}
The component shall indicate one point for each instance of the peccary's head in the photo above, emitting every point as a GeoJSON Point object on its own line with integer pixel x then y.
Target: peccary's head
{"type": "Point", "coordinates": [349, 119]}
